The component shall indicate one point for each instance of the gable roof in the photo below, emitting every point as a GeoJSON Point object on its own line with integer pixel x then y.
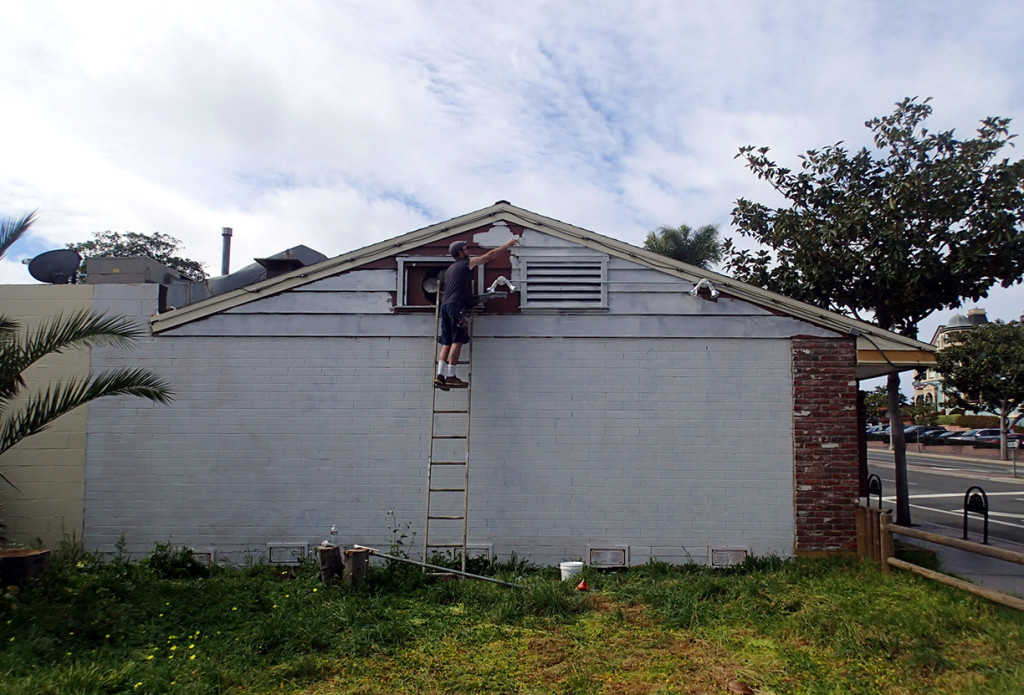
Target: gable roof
{"type": "Point", "coordinates": [879, 352]}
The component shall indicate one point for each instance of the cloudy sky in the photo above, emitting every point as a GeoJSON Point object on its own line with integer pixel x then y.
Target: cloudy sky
{"type": "Point", "coordinates": [336, 124]}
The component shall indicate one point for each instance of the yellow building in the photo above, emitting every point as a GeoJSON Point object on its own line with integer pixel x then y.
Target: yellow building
{"type": "Point", "coordinates": [929, 389]}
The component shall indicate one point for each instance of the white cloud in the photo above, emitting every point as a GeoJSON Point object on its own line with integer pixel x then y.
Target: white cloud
{"type": "Point", "coordinates": [338, 124]}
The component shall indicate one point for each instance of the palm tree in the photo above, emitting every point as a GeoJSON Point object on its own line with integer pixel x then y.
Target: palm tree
{"type": "Point", "coordinates": [13, 229]}
{"type": "Point", "coordinates": [700, 248]}
{"type": "Point", "coordinates": [83, 329]}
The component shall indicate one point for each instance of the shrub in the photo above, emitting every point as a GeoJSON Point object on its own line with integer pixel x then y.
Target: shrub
{"type": "Point", "coordinates": [167, 563]}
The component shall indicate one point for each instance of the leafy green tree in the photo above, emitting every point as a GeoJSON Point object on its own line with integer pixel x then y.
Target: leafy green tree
{"type": "Point", "coordinates": [983, 370]}
{"type": "Point", "coordinates": [921, 413]}
{"type": "Point", "coordinates": [160, 247]}
{"type": "Point", "coordinates": [22, 413]}
{"type": "Point", "coordinates": [876, 401]}
{"type": "Point", "coordinates": [699, 247]}
{"type": "Point", "coordinates": [923, 222]}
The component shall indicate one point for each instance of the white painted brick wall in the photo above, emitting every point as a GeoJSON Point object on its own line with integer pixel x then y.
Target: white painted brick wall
{"type": "Point", "coordinates": [576, 443]}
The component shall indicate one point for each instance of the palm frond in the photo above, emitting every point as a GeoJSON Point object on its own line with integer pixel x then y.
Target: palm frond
{"type": "Point", "coordinates": [8, 327]}
{"type": "Point", "coordinates": [698, 247]}
{"type": "Point", "coordinates": [81, 329]}
{"type": "Point", "coordinates": [41, 409]}
{"type": "Point", "coordinates": [13, 228]}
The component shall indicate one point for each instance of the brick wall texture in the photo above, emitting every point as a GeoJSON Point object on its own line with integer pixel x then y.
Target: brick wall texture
{"type": "Point", "coordinates": [825, 444]}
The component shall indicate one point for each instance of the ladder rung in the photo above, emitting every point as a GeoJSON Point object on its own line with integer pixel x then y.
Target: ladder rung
{"type": "Point", "coordinates": [447, 489]}
{"type": "Point", "coordinates": [449, 436]}
{"type": "Point", "coordinates": [450, 412]}
{"type": "Point", "coordinates": [444, 545]}
{"type": "Point", "coordinates": [445, 516]}
{"type": "Point", "coordinates": [447, 463]}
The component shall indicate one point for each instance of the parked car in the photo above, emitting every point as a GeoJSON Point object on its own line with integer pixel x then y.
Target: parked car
{"type": "Point", "coordinates": [919, 431]}
{"type": "Point", "coordinates": [971, 436]}
{"type": "Point", "coordinates": [939, 435]}
{"type": "Point", "coordinates": [1010, 437]}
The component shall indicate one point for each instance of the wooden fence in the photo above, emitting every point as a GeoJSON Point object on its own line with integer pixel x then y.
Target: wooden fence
{"type": "Point", "coordinates": [875, 532]}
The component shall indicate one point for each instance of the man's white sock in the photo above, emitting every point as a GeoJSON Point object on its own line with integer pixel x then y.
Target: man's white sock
{"type": "Point", "coordinates": [451, 370]}
{"type": "Point", "coordinates": [441, 367]}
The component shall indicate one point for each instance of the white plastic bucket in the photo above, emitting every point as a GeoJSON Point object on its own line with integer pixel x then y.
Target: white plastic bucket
{"type": "Point", "coordinates": [570, 569]}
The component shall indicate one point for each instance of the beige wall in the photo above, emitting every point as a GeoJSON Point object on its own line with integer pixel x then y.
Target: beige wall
{"type": "Point", "coordinates": [48, 469]}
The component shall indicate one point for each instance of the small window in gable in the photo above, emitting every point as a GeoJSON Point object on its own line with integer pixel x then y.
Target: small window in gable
{"type": "Point", "coordinates": [564, 283]}
{"type": "Point", "coordinates": [420, 279]}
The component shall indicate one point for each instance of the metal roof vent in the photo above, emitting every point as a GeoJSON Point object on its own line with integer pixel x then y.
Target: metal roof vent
{"type": "Point", "coordinates": [279, 266]}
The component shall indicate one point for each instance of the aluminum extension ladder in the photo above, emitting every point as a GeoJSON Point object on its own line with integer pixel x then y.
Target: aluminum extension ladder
{"type": "Point", "coordinates": [445, 526]}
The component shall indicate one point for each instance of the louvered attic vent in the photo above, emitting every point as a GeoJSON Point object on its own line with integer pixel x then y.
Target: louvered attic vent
{"type": "Point", "coordinates": [565, 283]}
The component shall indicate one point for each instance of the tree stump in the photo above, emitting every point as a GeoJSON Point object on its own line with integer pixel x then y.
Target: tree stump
{"type": "Point", "coordinates": [331, 566]}
{"type": "Point", "coordinates": [18, 565]}
{"type": "Point", "coordinates": [356, 562]}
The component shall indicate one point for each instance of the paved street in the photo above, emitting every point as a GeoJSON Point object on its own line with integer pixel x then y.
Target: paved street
{"type": "Point", "coordinates": [937, 485]}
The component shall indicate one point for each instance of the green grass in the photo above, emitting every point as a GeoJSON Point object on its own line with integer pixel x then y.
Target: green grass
{"type": "Point", "coordinates": [168, 626]}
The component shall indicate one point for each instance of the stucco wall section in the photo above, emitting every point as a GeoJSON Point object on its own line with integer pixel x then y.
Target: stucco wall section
{"type": "Point", "coordinates": [47, 468]}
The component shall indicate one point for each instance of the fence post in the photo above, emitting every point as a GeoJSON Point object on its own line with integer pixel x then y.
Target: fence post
{"type": "Point", "coordinates": [885, 540]}
{"type": "Point", "coordinates": [873, 534]}
{"type": "Point", "coordinates": [862, 533]}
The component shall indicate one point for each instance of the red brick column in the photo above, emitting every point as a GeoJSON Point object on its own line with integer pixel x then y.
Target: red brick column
{"type": "Point", "coordinates": [825, 444]}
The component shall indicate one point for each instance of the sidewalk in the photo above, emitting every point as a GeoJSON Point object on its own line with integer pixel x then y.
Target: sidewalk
{"type": "Point", "coordinates": [988, 572]}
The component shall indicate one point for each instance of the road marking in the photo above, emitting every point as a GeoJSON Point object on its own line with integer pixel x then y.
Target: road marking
{"type": "Point", "coordinates": [1006, 514]}
{"type": "Point", "coordinates": [886, 480]}
{"type": "Point", "coordinates": [961, 516]}
{"type": "Point", "coordinates": [960, 495]}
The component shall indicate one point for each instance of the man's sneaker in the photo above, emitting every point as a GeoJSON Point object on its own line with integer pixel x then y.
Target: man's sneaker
{"type": "Point", "coordinates": [455, 382]}
{"type": "Point", "coordinates": [440, 382]}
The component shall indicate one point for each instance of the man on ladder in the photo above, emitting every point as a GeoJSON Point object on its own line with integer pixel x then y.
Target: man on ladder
{"type": "Point", "coordinates": [456, 300]}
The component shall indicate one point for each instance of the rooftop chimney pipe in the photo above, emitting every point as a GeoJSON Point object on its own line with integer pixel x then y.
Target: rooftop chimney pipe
{"type": "Point", "coordinates": [225, 256]}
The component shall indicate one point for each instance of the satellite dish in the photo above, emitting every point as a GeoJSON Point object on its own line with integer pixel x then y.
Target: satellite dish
{"type": "Point", "coordinates": [55, 267]}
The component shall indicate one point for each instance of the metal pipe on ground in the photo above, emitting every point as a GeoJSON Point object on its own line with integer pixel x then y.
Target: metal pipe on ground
{"type": "Point", "coordinates": [439, 568]}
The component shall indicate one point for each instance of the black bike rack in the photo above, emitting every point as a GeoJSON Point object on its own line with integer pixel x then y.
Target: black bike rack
{"type": "Point", "coordinates": [875, 488]}
{"type": "Point", "coordinates": [975, 500]}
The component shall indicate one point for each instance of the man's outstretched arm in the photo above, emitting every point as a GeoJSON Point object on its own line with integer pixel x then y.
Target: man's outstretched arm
{"type": "Point", "coordinates": [485, 257]}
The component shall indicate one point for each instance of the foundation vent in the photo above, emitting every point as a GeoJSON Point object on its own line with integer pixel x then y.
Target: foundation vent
{"type": "Point", "coordinates": [290, 554]}
{"type": "Point", "coordinates": [727, 557]}
{"type": "Point", "coordinates": [204, 556]}
{"type": "Point", "coordinates": [609, 557]}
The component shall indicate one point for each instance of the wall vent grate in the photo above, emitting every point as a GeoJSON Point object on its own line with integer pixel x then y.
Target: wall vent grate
{"type": "Point", "coordinates": [290, 554]}
{"type": "Point", "coordinates": [727, 557]}
{"type": "Point", "coordinates": [564, 283]}
{"type": "Point", "coordinates": [617, 556]}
